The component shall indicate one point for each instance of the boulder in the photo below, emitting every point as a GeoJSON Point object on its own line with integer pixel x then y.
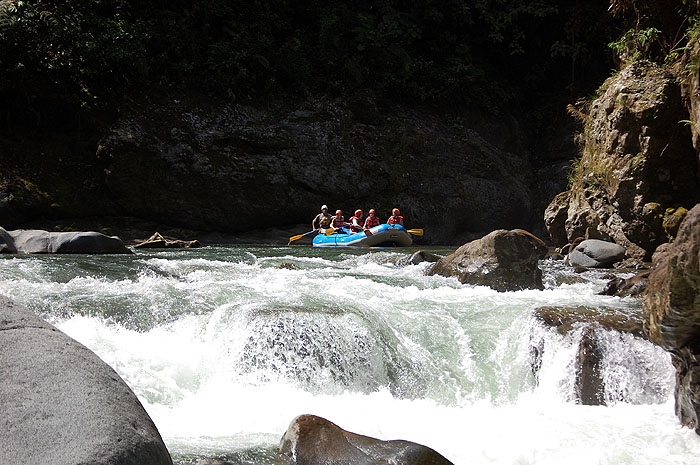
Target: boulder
{"type": "Point", "coordinates": [627, 287]}
{"type": "Point", "coordinates": [35, 241]}
{"type": "Point", "coordinates": [594, 253]}
{"type": "Point", "coordinates": [7, 243]}
{"type": "Point", "coordinates": [672, 312]}
{"type": "Point", "coordinates": [61, 404]}
{"type": "Point", "coordinates": [157, 241]}
{"type": "Point", "coordinates": [503, 260]}
{"type": "Point", "coordinates": [312, 440]}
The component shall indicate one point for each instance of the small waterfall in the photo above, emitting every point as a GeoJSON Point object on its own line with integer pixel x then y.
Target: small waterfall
{"type": "Point", "coordinates": [224, 346]}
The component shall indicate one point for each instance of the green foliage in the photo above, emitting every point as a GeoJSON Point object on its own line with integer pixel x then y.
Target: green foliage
{"type": "Point", "coordinates": [573, 172]}
{"type": "Point", "coordinates": [634, 45]}
{"type": "Point", "coordinates": [59, 57]}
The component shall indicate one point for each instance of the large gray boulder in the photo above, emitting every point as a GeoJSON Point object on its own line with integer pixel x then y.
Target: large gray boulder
{"type": "Point", "coordinates": [312, 440]}
{"type": "Point", "coordinates": [61, 405]}
{"type": "Point", "coordinates": [36, 241]}
{"type": "Point", "coordinates": [503, 260]}
{"type": "Point", "coordinates": [594, 253]}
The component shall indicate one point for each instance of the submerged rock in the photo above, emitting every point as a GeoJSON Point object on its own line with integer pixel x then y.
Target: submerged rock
{"type": "Point", "coordinates": [564, 319]}
{"type": "Point", "coordinates": [61, 404]}
{"type": "Point", "coordinates": [312, 440]}
{"type": "Point", "coordinates": [594, 253]}
{"type": "Point", "coordinates": [590, 387]}
{"type": "Point", "coordinates": [422, 256]}
{"type": "Point", "coordinates": [672, 313]}
{"type": "Point", "coordinates": [627, 287]}
{"type": "Point", "coordinates": [36, 241]}
{"type": "Point", "coordinates": [503, 260]}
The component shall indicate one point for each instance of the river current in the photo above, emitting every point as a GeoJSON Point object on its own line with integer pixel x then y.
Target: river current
{"type": "Point", "coordinates": [224, 346]}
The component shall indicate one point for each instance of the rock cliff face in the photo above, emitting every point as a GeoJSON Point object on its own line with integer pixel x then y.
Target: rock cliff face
{"type": "Point", "coordinates": [672, 313]}
{"type": "Point", "coordinates": [690, 88]}
{"type": "Point", "coordinates": [234, 168]}
{"type": "Point", "coordinates": [638, 164]}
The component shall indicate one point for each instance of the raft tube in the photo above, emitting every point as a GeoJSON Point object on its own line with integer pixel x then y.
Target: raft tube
{"type": "Point", "coordinates": [384, 235]}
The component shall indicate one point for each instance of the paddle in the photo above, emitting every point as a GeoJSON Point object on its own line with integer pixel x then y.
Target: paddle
{"type": "Point", "coordinates": [294, 238]}
{"type": "Point", "coordinates": [416, 232]}
{"type": "Point", "coordinates": [332, 230]}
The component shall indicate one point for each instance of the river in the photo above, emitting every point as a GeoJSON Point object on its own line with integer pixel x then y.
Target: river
{"type": "Point", "coordinates": [224, 346]}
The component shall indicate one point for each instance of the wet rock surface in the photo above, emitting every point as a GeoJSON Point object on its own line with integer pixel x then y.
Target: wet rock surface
{"type": "Point", "coordinates": [61, 404]}
{"type": "Point", "coordinates": [564, 319]}
{"type": "Point", "coordinates": [312, 440]}
{"type": "Point", "coordinates": [627, 287]}
{"type": "Point", "coordinates": [589, 385]}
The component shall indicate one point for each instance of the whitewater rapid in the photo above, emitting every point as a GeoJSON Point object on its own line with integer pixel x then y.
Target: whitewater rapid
{"type": "Point", "coordinates": [225, 346]}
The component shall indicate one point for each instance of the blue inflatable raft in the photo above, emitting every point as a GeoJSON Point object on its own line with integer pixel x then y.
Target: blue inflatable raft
{"type": "Point", "coordinates": [384, 235]}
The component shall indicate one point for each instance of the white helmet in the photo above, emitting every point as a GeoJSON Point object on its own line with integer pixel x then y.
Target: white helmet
{"type": "Point", "coordinates": [324, 207]}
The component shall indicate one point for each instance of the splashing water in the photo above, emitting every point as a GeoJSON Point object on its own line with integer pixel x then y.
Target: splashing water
{"type": "Point", "coordinates": [225, 346]}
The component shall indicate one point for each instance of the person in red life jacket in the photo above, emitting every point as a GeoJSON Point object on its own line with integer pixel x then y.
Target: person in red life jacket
{"type": "Point", "coordinates": [338, 221]}
{"type": "Point", "coordinates": [395, 217]}
{"type": "Point", "coordinates": [371, 220]}
{"type": "Point", "coordinates": [357, 222]}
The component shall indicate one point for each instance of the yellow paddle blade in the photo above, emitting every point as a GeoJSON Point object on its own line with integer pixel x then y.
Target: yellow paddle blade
{"type": "Point", "coordinates": [294, 238]}
{"type": "Point", "coordinates": [416, 232]}
{"type": "Point", "coordinates": [330, 231]}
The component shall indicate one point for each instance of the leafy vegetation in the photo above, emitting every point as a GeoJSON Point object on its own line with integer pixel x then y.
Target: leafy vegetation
{"type": "Point", "coordinates": [635, 44]}
{"type": "Point", "coordinates": [656, 32]}
{"type": "Point", "coordinates": [60, 58]}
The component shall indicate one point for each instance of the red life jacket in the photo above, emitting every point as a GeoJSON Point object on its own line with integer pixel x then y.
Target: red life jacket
{"type": "Point", "coordinates": [394, 220]}
{"type": "Point", "coordinates": [371, 222]}
{"type": "Point", "coordinates": [357, 227]}
{"type": "Point", "coordinates": [337, 221]}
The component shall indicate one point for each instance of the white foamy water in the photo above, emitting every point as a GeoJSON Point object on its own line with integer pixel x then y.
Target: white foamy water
{"type": "Point", "coordinates": [225, 346]}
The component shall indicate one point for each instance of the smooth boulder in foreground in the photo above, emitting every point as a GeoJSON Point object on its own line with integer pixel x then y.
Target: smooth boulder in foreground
{"type": "Point", "coordinates": [312, 440]}
{"type": "Point", "coordinates": [61, 405]}
{"type": "Point", "coordinates": [36, 241]}
{"type": "Point", "coordinates": [503, 260]}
